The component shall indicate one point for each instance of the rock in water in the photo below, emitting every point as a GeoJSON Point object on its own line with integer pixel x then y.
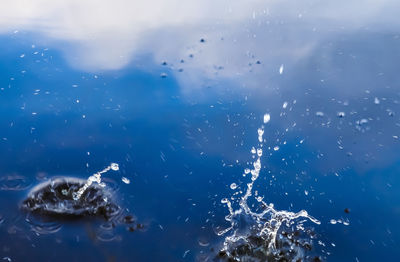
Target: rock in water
{"type": "Point", "coordinates": [54, 198]}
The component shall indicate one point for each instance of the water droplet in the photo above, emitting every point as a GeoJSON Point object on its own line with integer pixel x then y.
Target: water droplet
{"type": "Point", "coordinates": [259, 152]}
{"type": "Point", "coordinates": [260, 134]}
{"type": "Point", "coordinates": [114, 166]}
{"type": "Point", "coordinates": [362, 121]}
{"type": "Point", "coordinates": [125, 180]}
{"type": "Point", "coordinates": [267, 117]}
{"type": "Point", "coordinates": [233, 186]}
{"type": "Point", "coordinates": [281, 70]}
{"type": "Point", "coordinates": [341, 114]}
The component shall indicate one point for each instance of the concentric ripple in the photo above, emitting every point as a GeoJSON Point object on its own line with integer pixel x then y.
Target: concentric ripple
{"type": "Point", "coordinates": [14, 183]}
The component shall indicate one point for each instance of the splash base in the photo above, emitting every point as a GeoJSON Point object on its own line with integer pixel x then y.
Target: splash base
{"type": "Point", "coordinates": [54, 198]}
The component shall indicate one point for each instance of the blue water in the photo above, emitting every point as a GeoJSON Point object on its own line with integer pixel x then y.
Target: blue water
{"type": "Point", "coordinates": [184, 138]}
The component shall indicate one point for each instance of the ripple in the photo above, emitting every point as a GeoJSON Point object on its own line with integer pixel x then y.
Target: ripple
{"type": "Point", "coordinates": [43, 227]}
{"type": "Point", "coordinates": [14, 183]}
{"type": "Point", "coordinates": [106, 233]}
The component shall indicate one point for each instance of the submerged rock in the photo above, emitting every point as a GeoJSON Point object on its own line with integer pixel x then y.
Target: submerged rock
{"type": "Point", "coordinates": [54, 198]}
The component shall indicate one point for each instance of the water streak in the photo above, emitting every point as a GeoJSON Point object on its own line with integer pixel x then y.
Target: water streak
{"type": "Point", "coordinates": [94, 178]}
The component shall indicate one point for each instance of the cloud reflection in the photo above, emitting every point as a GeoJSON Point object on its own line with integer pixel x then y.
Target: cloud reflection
{"type": "Point", "coordinates": [107, 35]}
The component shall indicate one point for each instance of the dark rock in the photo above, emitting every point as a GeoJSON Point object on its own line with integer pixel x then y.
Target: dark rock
{"type": "Point", "coordinates": [317, 259]}
{"type": "Point", "coordinates": [129, 219]}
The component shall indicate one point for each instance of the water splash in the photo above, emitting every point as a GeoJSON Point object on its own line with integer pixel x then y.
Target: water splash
{"type": "Point", "coordinates": [69, 197]}
{"type": "Point", "coordinates": [257, 234]}
{"type": "Point", "coordinates": [94, 178]}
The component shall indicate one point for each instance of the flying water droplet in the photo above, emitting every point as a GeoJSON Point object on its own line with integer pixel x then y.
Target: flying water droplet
{"type": "Point", "coordinates": [281, 69]}
{"type": "Point", "coordinates": [114, 166]}
{"type": "Point", "coordinates": [267, 118]}
{"type": "Point", "coordinates": [260, 134]}
{"type": "Point", "coordinates": [125, 180]}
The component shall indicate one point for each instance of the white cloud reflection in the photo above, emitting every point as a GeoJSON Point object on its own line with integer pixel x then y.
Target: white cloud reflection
{"type": "Point", "coordinates": [105, 35]}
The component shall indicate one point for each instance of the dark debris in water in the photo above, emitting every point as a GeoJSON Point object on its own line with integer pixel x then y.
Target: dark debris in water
{"type": "Point", "coordinates": [54, 198]}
